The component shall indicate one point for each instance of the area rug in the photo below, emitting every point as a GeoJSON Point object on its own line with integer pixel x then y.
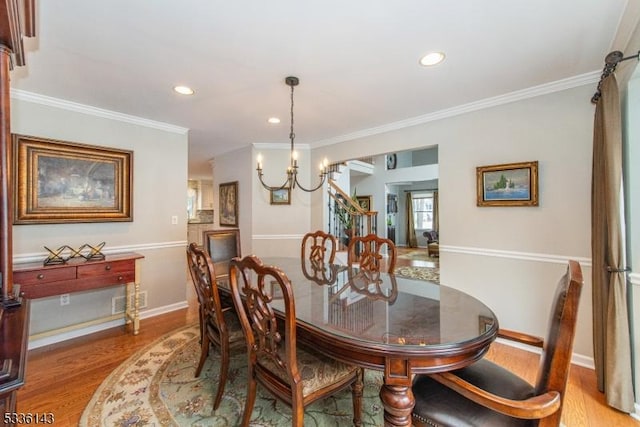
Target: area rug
{"type": "Point", "coordinates": [156, 387]}
{"type": "Point", "coordinates": [421, 255]}
{"type": "Point", "coordinates": [420, 273]}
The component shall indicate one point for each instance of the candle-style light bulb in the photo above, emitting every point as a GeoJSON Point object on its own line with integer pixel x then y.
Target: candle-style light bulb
{"type": "Point", "coordinates": [259, 158]}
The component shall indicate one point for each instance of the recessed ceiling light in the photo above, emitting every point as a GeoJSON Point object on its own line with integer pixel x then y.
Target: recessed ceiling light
{"type": "Point", "coordinates": [273, 120]}
{"type": "Point", "coordinates": [183, 90]}
{"type": "Point", "coordinates": [432, 58]}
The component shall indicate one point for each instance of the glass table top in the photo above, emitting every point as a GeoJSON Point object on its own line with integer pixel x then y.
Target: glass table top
{"type": "Point", "coordinates": [382, 309]}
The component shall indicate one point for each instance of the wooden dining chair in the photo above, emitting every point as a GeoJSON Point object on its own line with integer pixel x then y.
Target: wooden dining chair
{"type": "Point", "coordinates": [367, 251]}
{"type": "Point", "coordinates": [221, 246]}
{"type": "Point", "coordinates": [218, 326]}
{"type": "Point", "coordinates": [277, 361]}
{"type": "Point", "coordinates": [319, 247]}
{"type": "Point", "coordinates": [485, 394]}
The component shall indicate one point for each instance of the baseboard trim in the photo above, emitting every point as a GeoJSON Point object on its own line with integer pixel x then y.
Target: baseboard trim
{"type": "Point", "coordinates": [636, 414]}
{"type": "Point", "coordinates": [576, 359]}
{"type": "Point", "coordinates": [93, 326]}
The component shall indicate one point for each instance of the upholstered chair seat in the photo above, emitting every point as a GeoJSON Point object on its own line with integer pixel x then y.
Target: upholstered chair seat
{"type": "Point", "coordinates": [485, 394]}
{"type": "Point", "coordinates": [449, 408]}
{"type": "Point", "coordinates": [317, 372]}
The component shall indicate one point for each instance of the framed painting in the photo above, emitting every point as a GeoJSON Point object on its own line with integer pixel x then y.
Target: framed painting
{"type": "Point", "coordinates": [228, 197]}
{"type": "Point", "coordinates": [281, 196]}
{"type": "Point", "coordinates": [512, 184]}
{"type": "Point", "coordinates": [485, 323]}
{"type": "Point", "coordinates": [65, 182]}
{"type": "Point", "coordinates": [364, 202]}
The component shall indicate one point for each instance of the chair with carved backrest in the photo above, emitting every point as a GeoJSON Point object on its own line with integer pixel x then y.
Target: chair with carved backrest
{"type": "Point", "coordinates": [277, 361]}
{"type": "Point", "coordinates": [319, 246]}
{"type": "Point", "coordinates": [219, 326]}
{"type": "Point", "coordinates": [367, 252]}
{"type": "Point", "coordinates": [489, 395]}
{"type": "Point", "coordinates": [318, 251]}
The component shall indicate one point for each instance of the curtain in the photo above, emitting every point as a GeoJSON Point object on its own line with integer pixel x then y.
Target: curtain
{"type": "Point", "coordinates": [611, 336]}
{"type": "Point", "coordinates": [412, 241]}
{"type": "Point", "coordinates": [436, 216]}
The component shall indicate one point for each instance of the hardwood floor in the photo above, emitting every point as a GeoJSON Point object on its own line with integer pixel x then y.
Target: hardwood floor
{"type": "Point", "coordinates": [62, 378]}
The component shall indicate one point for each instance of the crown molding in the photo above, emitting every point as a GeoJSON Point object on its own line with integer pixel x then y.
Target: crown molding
{"type": "Point", "coordinates": [49, 101]}
{"type": "Point", "coordinates": [532, 92]}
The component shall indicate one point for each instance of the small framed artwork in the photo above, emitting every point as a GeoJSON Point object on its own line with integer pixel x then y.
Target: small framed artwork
{"type": "Point", "coordinates": [281, 196]}
{"type": "Point", "coordinates": [228, 197]}
{"type": "Point", "coordinates": [364, 202]}
{"type": "Point", "coordinates": [485, 323]}
{"type": "Point", "coordinates": [66, 182]}
{"type": "Point", "coordinates": [511, 184]}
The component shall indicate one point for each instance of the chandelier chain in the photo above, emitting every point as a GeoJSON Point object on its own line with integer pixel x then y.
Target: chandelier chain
{"type": "Point", "coordinates": [292, 171]}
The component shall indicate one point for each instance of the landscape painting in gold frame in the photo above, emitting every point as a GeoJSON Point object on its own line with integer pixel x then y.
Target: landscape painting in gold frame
{"type": "Point", "coordinates": [66, 182]}
{"type": "Point", "coordinates": [511, 184]}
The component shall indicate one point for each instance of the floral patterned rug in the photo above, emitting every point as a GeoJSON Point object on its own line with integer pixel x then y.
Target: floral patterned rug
{"type": "Point", "coordinates": [420, 254]}
{"type": "Point", "coordinates": [156, 387]}
{"type": "Point", "coordinates": [420, 273]}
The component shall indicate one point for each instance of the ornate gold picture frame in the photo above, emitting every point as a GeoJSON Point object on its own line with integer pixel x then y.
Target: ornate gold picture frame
{"type": "Point", "coordinates": [511, 184]}
{"type": "Point", "coordinates": [65, 182]}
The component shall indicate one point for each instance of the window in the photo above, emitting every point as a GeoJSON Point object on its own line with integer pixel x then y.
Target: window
{"type": "Point", "coordinates": [423, 210]}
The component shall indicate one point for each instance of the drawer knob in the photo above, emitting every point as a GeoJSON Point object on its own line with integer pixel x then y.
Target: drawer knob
{"type": "Point", "coordinates": [120, 278]}
{"type": "Point", "coordinates": [40, 276]}
{"type": "Point", "coordinates": [107, 267]}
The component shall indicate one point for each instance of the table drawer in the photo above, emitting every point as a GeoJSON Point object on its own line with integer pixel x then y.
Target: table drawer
{"type": "Point", "coordinates": [44, 275]}
{"type": "Point", "coordinates": [113, 268]}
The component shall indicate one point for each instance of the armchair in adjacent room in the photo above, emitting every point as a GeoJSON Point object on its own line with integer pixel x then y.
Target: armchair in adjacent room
{"type": "Point", "coordinates": [433, 245]}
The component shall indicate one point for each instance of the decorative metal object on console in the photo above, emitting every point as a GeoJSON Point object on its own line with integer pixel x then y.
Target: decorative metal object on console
{"type": "Point", "coordinates": [65, 253]}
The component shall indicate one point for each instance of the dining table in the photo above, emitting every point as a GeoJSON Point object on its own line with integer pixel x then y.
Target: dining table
{"type": "Point", "coordinates": [385, 322]}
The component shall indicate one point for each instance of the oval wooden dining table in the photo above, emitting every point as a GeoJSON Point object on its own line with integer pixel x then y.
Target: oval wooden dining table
{"type": "Point", "coordinates": [385, 322]}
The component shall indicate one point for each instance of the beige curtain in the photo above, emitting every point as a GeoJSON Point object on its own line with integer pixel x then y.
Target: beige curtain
{"type": "Point", "coordinates": [436, 215]}
{"type": "Point", "coordinates": [611, 338]}
{"type": "Point", "coordinates": [412, 241]}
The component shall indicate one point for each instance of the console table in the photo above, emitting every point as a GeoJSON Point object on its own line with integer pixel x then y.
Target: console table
{"type": "Point", "coordinates": [38, 281]}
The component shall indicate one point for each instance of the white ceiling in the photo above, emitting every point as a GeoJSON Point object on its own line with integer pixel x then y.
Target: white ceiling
{"type": "Point", "coordinates": [357, 60]}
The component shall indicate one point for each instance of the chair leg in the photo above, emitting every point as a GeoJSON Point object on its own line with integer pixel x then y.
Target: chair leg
{"type": "Point", "coordinates": [356, 389]}
{"type": "Point", "coordinates": [204, 352]}
{"type": "Point", "coordinates": [251, 400]}
{"type": "Point", "coordinates": [224, 371]}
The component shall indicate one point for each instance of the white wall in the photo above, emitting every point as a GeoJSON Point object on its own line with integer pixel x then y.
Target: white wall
{"type": "Point", "coordinates": [277, 230]}
{"type": "Point", "coordinates": [509, 257]}
{"type": "Point", "coordinates": [159, 192]}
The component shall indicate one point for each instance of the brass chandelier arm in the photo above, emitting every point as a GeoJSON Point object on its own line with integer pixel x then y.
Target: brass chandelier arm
{"type": "Point", "coordinates": [323, 177]}
{"type": "Point", "coordinates": [286, 184]}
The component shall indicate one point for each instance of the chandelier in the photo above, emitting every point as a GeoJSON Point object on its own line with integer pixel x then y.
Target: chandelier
{"type": "Point", "coordinates": [292, 170]}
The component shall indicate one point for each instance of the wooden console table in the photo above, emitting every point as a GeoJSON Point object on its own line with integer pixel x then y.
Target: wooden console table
{"type": "Point", "coordinates": [38, 281]}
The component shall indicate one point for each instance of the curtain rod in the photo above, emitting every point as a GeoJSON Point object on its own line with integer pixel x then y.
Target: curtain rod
{"type": "Point", "coordinates": [610, 63]}
{"type": "Point", "coordinates": [421, 189]}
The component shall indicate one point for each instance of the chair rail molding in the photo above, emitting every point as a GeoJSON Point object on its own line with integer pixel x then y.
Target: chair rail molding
{"type": "Point", "coordinates": [526, 256]}
{"type": "Point", "coordinates": [277, 236]}
{"type": "Point", "coordinates": [39, 256]}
